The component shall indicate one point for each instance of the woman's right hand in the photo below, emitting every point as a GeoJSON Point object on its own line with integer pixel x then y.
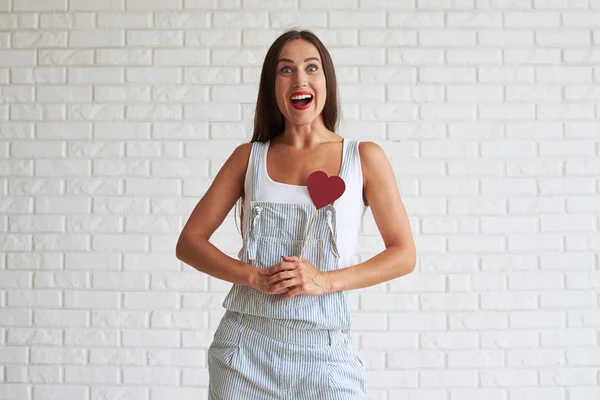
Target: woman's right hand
{"type": "Point", "coordinates": [259, 278]}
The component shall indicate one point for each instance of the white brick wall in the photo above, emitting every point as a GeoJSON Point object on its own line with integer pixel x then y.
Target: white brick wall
{"type": "Point", "coordinates": [116, 115]}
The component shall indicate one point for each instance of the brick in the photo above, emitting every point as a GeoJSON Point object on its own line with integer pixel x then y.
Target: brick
{"type": "Point", "coordinates": [37, 112]}
{"type": "Point", "coordinates": [33, 374]}
{"type": "Point", "coordinates": [308, 19]}
{"type": "Point", "coordinates": [39, 39]}
{"type": "Point", "coordinates": [154, 4]}
{"type": "Point", "coordinates": [565, 224]}
{"type": "Point", "coordinates": [557, 4]}
{"type": "Point", "coordinates": [537, 281]}
{"type": "Point", "coordinates": [66, 94]}
{"type": "Point", "coordinates": [417, 56]}
{"type": "Point", "coordinates": [505, 38]}
{"type": "Point", "coordinates": [419, 19]}
{"type": "Point", "coordinates": [458, 93]}
{"type": "Point", "coordinates": [571, 38]}
{"type": "Point", "coordinates": [470, 19]}
{"type": "Point", "coordinates": [154, 38]}
{"type": "Point", "coordinates": [357, 19]}
{"type": "Point", "coordinates": [40, 6]}
{"type": "Point", "coordinates": [214, 38]}
{"type": "Point", "coordinates": [183, 57]}
{"type": "Point", "coordinates": [484, 244]}
{"type": "Point", "coordinates": [508, 378]}
{"type": "Point", "coordinates": [539, 20]}
{"type": "Point", "coordinates": [124, 20]}
{"type": "Point", "coordinates": [161, 338]}
{"type": "Point", "coordinates": [582, 92]}
{"type": "Point", "coordinates": [118, 318]}
{"type": "Point", "coordinates": [17, 58]}
{"type": "Point", "coordinates": [416, 359]}
{"type": "Point", "coordinates": [117, 356]}
{"type": "Point", "coordinates": [15, 317]}
{"type": "Point", "coordinates": [395, 379]}
{"type": "Point", "coordinates": [316, 4]}
{"type": "Point", "coordinates": [534, 167]}
{"type": "Point", "coordinates": [67, 21]}
{"type": "Point", "coordinates": [478, 320]}
{"type": "Point", "coordinates": [447, 38]}
{"type": "Point", "coordinates": [118, 242]}
{"type": "Point", "coordinates": [568, 337]}
{"type": "Point", "coordinates": [81, 374]}
{"type": "Point", "coordinates": [570, 376]}
{"type": "Point", "coordinates": [183, 319]}
{"type": "Point", "coordinates": [64, 280]}
{"type": "Point", "coordinates": [506, 75]}
{"type": "Point", "coordinates": [152, 75]}
{"type": "Point", "coordinates": [35, 223]}
{"type": "Point", "coordinates": [388, 111]}
{"type": "Point", "coordinates": [565, 299]}
{"type": "Point", "coordinates": [337, 37]}
{"type": "Point", "coordinates": [247, 19]}
{"type": "Point", "coordinates": [447, 74]}
{"type": "Point", "coordinates": [475, 359]}
{"type": "Point", "coordinates": [33, 298]}
{"type": "Point", "coordinates": [565, 74]}
{"type": "Point", "coordinates": [447, 111]}
{"type": "Point", "coordinates": [46, 392]}
{"type": "Point", "coordinates": [159, 301]}
{"type": "Point", "coordinates": [448, 379]}
{"type": "Point", "coordinates": [97, 38]}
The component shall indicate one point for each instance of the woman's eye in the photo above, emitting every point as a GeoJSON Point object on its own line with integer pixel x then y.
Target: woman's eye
{"type": "Point", "coordinates": [311, 68]}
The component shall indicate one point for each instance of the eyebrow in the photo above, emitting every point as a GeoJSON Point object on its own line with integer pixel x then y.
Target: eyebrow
{"type": "Point", "coordinates": [308, 59]}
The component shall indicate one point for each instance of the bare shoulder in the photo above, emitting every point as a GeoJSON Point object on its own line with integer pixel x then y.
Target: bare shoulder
{"type": "Point", "coordinates": [370, 150]}
{"type": "Point", "coordinates": [239, 160]}
{"type": "Point", "coordinates": [372, 159]}
{"type": "Point", "coordinates": [241, 154]}
{"type": "Point", "coordinates": [237, 163]}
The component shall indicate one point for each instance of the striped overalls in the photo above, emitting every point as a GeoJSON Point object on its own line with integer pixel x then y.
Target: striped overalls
{"type": "Point", "coordinates": [267, 348]}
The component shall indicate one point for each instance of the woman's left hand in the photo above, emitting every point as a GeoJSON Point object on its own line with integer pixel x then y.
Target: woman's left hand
{"type": "Point", "coordinates": [293, 277]}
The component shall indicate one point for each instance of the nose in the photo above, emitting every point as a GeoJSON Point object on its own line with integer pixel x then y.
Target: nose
{"type": "Point", "coordinates": [300, 79]}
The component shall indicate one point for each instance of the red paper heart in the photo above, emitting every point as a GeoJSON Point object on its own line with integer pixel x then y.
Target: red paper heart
{"type": "Point", "coordinates": [323, 189]}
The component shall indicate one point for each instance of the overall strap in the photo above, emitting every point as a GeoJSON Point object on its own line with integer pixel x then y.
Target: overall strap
{"type": "Point", "coordinates": [348, 157]}
{"type": "Point", "coordinates": [256, 159]}
{"type": "Point", "coordinates": [255, 162]}
{"type": "Point", "coordinates": [350, 151]}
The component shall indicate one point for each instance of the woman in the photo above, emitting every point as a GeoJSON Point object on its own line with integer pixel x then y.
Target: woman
{"type": "Point", "coordinates": [286, 331]}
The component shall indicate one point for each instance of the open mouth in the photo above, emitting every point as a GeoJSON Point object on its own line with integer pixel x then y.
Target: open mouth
{"type": "Point", "coordinates": [301, 101]}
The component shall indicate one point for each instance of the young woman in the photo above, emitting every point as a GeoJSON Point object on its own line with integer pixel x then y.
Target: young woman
{"type": "Point", "coordinates": [286, 330]}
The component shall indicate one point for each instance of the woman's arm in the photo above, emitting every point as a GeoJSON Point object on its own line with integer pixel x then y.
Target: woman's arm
{"type": "Point", "coordinates": [381, 193]}
{"type": "Point", "coordinates": [193, 246]}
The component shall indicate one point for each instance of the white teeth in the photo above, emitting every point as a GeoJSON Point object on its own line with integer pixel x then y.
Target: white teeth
{"type": "Point", "coordinates": [301, 96]}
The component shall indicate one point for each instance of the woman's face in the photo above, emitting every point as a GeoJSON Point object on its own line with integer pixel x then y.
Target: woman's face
{"type": "Point", "coordinates": [300, 88]}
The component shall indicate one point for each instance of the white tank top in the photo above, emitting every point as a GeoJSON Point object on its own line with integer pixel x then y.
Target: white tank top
{"type": "Point", "coordinates": [350, 208]}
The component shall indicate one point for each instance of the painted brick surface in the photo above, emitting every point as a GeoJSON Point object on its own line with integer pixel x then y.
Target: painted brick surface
{"type": "Point", "coordinates": [116, 115]}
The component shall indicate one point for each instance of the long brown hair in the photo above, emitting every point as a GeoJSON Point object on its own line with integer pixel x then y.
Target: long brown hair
{"type": "Point", "coordinates": [268, 120]}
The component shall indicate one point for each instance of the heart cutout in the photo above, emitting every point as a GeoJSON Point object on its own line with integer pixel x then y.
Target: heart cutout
{"type": "Point", "coordinates": [324, 189]}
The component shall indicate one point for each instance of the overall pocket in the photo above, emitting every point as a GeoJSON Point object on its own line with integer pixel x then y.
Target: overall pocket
{"type": "Point", "coordinates": [269, 252]}
{"type": "Point", "coordinates": [225, 346]}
